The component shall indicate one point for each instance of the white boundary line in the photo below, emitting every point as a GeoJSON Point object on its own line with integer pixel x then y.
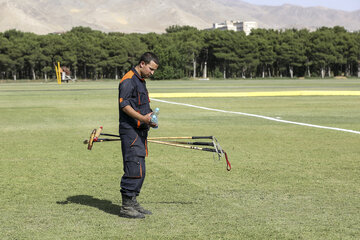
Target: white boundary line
{"type": "Point", "coordinates": [258, 116]}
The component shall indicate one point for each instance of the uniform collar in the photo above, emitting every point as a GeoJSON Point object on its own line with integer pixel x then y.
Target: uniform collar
{"type": "Point", "coordinates": [138, 75]}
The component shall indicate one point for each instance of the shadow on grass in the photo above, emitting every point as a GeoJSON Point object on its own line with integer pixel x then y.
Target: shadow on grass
{"type": "Point", "coordinates": [103, 205]}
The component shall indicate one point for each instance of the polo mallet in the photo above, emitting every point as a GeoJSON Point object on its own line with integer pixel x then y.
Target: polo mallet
{"type": "Point", "coordinates": [94, 137]}
{"type": "Point", "coordinates": [214, 142]}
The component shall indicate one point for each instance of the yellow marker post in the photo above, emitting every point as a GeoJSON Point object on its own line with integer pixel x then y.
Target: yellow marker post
{"type": "Point", "coordinates": [58, 74]}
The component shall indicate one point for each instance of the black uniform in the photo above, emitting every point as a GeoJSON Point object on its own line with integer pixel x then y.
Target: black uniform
{"type": "Point", "coordinates": [133, 133]}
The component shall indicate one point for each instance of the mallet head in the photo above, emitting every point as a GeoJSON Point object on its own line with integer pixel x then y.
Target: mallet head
{"type": "Point", "coordinates": [91, 139]}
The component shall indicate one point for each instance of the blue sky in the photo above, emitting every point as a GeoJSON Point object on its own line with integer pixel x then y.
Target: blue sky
{"type": "Point", "coordinates": [347, 5]}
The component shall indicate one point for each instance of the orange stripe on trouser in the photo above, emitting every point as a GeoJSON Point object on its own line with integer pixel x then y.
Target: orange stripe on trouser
{"type": "Point", "coordinates": [134, 140]}
{"type": "Point", "coordinates": [141, 172]}
{"type": "Point", "coordinates": [146, 147]}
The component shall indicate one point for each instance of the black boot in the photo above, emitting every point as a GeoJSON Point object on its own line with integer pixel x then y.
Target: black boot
{"type": "Point", "coordinates": [127, 208]}
{"type": "Point", "coordinates": [139, 208]}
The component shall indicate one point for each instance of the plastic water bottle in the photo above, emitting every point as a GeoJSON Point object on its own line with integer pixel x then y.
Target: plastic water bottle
{"type": "Point", "coordinates": [154, 117]}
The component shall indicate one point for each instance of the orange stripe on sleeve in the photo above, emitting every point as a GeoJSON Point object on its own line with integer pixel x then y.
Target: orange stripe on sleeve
{"type": "Point", "coordinates": [128, 75]}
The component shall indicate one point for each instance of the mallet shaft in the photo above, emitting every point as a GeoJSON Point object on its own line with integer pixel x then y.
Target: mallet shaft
{"type": "Point", "coordinates": [192, 143]}
{"type": "Point", "coordinates": [195, 137]}
{"type": "Point", "coordinates": [182, 146]}
{"type": "Point", "coordinates": [110, 135]}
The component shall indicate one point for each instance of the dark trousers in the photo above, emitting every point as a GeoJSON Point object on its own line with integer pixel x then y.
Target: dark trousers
{"type": "Point", "coordinates": [133, 146]}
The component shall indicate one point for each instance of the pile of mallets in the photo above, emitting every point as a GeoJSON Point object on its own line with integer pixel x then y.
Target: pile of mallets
{"type": "Point", "coordinates": [212, 146]}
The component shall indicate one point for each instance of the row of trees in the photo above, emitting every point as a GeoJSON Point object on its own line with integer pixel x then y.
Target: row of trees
{"type": "Point", "coordinates": [184, 52]}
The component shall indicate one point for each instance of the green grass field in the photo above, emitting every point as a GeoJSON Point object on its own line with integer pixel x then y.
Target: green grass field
{"type": "Point", "coordinates": [287, 181]}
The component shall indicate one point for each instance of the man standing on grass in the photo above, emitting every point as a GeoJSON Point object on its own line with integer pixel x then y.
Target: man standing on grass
{"type": "Point", "coordinates": [134, 124]}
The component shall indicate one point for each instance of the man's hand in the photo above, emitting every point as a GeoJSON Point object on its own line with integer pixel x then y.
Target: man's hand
{"type": "Point", "coordinates": [148, 118]}
{"type": "Point", "coordinates": [142, 118]}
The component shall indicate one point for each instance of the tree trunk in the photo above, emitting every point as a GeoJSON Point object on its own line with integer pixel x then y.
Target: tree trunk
{"type": "Point", "coordinates": [348, 70]}
{"type": "Point", "coordinates": [194, 66]}
{"type": "Point", "coordinates": [224, 72]}
{"type": "Point", "coordinates": [322, 72]}
{"type": "Point", "coordinates": [291, 70]}
{"type": "Point", "coordinates": [329, 71]}
{"type": "Point", "coordinates": [263, 72]}
{"type": "Point", "coordinates": [269, 70]}
{"type": "Point", "coordinates": [85, 71]}
{"type": "Point", "coordinates": [116, 73]}
{"type": "Point", "coordinates": [96, 75]}
{"type": "Point", "coordinates": [308, 71]}
{"type": "Point", "coordinates": [14, 75]}
{"type": "Point", "coordinates": [205, 70]}
{"type": "Point", "coordinates": [33, 73]}
{"type": "Point", "coordinates": [45, 76]}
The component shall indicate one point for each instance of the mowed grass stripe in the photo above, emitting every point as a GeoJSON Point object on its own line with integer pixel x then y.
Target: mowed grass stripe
{"type": "Point", "coordinates": [255, 94]}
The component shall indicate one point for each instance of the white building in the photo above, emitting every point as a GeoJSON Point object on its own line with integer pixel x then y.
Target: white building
{"type": "Point", "coordinates": [236, 26]}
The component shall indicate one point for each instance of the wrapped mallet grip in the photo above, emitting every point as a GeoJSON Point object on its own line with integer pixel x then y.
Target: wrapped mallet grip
{"type": "Point", "coordinates": [98, 132]}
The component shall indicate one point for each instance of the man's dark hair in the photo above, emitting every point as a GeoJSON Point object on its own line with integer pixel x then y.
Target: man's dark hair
{"type": "Point", "coordinates": [148, 57]}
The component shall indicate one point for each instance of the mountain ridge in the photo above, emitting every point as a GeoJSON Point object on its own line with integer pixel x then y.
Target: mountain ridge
{"type": "Point", "coordinates": [142, 16]}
